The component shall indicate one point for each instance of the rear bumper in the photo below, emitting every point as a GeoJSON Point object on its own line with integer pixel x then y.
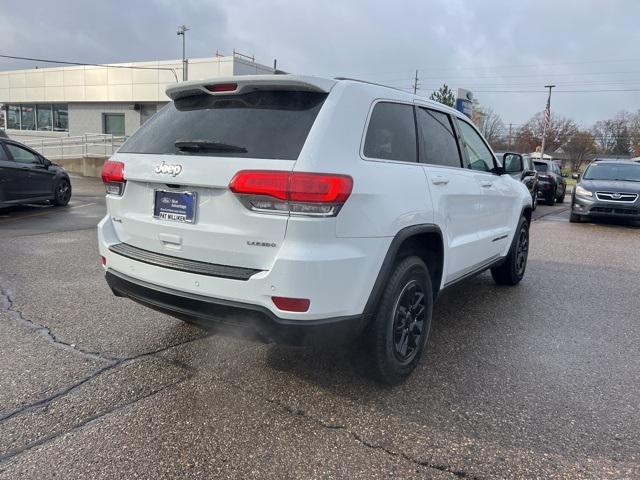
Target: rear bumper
{"type": "Point", "coordinates": [235, 315]}
{"type": "Point", "coordinates": [595, 208]}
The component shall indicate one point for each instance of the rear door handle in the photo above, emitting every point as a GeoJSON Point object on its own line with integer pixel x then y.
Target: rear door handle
{"type": "Point", "coordinates": [486, 183]}
{"type": "Point", "coordinates": [439, 180]}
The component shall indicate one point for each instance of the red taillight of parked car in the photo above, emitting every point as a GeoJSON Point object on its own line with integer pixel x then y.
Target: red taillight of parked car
{"type": "Point", "coordinates": [113, 177]}
{"type": "Point", "coordinates": [295, 193]}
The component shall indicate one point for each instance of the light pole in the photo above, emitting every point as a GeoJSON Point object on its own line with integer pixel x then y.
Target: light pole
{"type": "Point", "coordinates": [546, 120]}
{"type": "Point", "coordinates": [182, 30]}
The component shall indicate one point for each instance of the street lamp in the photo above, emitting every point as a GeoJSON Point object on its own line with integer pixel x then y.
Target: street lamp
{"type": "Point", "coordinates": [182, 30]}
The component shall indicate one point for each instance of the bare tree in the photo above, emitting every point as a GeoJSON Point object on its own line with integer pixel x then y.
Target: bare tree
{"type": "Point", "coordinates": [613, 135]}
{"type": "Point", "coordinates": [490, 125]}
{"type": "Point", "coordinates": [634, 133]}
{"type": "Point", "coordinates": [581, 146]}
{"type": "Point", "coordinates": [559, 132]}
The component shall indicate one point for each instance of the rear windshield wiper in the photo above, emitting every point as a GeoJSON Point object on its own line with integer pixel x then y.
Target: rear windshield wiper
{"type": "Point", "coordinates": [207, 146]}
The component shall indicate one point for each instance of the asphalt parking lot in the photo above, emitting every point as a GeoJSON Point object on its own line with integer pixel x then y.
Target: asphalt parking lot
{"type": "Point", "coordinates": [537, 381]}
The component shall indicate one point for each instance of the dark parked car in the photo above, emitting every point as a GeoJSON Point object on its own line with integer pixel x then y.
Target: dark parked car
{"type": "Point", "coordinates": [27, 177]}
{"type": "Point", "coordinates": [608, 188]}
{"type": "Point", "coordinates": [525, 172]}
{"type": "Point", "coordinates": [551, 184]}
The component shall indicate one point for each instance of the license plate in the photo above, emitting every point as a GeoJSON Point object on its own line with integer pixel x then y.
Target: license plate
{"type": "Point", "coordinates": [175, 206]}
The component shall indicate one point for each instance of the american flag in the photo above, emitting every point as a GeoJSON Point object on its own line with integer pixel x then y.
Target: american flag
{"type": "Point", "coordinates": [547, 113]}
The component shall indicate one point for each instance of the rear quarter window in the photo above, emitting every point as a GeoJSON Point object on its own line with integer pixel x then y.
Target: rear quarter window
{"type": "Point", "coordinates": [391, 134]}
{"type": "Point", "coordinates": [259, 124]}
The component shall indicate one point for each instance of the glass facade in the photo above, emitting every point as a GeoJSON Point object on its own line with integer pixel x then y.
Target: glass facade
{"type": "Point", "coordinates": [42, 116]}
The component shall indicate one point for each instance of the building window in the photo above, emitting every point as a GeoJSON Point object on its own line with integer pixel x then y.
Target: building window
{"type": "Point", "coordinates": [28, 117]}
{"type": "Point", "coordinates": [43, 113]}
{"type": "Point", "coordinates": [60, 118]}
{"type": "Point", "coordinates": [43, 116]}
{"type": "Point", "coordinates": [113, 123]}
{"type": "Point", "coordinates": [13, 117]}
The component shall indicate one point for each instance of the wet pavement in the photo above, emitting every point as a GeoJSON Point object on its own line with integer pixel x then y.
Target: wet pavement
{"type": "Point", "coordinates": [541, 380]}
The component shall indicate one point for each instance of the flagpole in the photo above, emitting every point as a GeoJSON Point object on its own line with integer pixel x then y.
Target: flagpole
{"type": "Point", "coordinates": [546, 121]}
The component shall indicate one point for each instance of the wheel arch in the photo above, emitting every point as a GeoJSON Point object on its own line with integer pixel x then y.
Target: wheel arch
{"type": "Point", "coordinates": [527, 212]}
{"type": "Point", "coordinates": [425, 241]}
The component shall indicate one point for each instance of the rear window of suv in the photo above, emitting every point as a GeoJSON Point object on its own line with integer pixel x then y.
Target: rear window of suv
{"type": "Point", "coordinates": [259, 124]}
{"type": "Point", "coordinates": [540, 167]}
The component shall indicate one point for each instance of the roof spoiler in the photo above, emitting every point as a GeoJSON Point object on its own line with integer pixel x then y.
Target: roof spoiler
{"type": "Point", "coordinates": [247, 83]}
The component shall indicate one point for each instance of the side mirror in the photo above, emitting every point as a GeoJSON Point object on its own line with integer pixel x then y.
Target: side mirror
{"type": "Point", "coordinates": [45, 162]}
{"type": "Point", "coordinates": [513, 162]}
{"type": "Point", "coordinates": [575, 176]}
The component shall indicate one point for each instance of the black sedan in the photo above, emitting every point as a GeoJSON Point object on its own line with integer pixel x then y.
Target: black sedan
{"type": "Point", "coordinates": [608, 188]}
{"type": "Point", "coordinates": [28, 177]}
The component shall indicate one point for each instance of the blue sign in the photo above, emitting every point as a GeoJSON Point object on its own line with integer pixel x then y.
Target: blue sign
{"type": "Point", "coordinates": [465, 106]}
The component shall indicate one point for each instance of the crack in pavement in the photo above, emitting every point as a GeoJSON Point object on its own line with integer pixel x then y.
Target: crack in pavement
{"type": "Point", "coordinates": [7, 306]}
{"type": "Point", "coordinates": [84, 380]}
{"type": "Point", "coordinates": [91, 419]}
{"type": "Point", "coordinates": [357, 437]}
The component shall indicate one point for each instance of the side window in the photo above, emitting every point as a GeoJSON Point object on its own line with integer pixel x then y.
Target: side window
{"type": "Point", "coordinates": [437, 140]}
{"type": "Point", "coordinates": [3, 155]}
{"type": "Point", "coordinates": [480, 157]}
{"type": "Point", "coordinates": [22, 155]}
{"type": "Point", "coordinates": [392, 133]}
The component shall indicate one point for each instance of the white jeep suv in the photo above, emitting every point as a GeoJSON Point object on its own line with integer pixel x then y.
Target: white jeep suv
{"type": "Point", "coordinates": [306, 208]}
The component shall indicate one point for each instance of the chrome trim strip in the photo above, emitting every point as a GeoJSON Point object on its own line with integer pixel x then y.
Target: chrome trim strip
{"type": "Point", "coordinates": [624, 197]}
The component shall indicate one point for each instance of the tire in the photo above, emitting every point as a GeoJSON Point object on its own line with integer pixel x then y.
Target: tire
{"type": "Point", "coordinates": [515, 265]}
{"type": "Point", "coordinates": [62, 193]}
{"type": "Point", "coordinates": [534, 202]}
{"type": "Point", "coordinates": [561, 197]}
{"type": "Point", "coordinates": [575, 218]}
{"type": "Point", "coordinates": [397, 335]}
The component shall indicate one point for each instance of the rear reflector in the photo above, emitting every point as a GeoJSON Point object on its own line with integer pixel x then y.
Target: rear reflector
{"type": "Point", "coordinates": [222, 87]}
{"type": "Point", "coordinates": [103, 260]}
{"type": "Point", "coordinates": [316, 194]}
{"type": "Point", "coordinates": [291, 304]}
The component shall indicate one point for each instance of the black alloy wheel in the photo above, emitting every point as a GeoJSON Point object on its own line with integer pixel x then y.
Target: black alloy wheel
{"type": "Point", "coordinates": [408, 322]}
{"type": "Point", "coordinates": [512, 270]}
{"type": "Point", "coordinates": [398, 332]}
{"type": "Point", "coordinates": [522, 250]}
{"type": "Point", "coordinates": [62, 193]}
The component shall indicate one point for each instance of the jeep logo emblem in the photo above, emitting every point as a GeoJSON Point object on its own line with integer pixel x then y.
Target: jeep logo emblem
{"type": "Point", "coordinates": [167, 169]}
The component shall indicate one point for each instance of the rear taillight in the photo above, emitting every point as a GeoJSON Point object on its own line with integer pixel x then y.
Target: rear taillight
{"type": "Point", "coordinates": [294, 193]}
{"type": "Point", "coordinates": [113, 177]}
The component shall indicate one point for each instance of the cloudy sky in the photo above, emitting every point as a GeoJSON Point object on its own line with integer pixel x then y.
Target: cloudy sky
{"type": "Point", "coordinates": [505, 51]}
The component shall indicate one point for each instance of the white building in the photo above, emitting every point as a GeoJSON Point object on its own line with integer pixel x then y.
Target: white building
{"type": "Point", "coordinates": [49, 103]}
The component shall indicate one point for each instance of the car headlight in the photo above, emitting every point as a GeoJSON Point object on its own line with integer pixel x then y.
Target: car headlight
{"type": "Point", "coordinates": [583, 192]}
